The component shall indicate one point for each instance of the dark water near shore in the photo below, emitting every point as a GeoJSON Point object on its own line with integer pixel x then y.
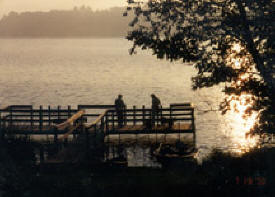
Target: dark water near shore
{"type": "Point", "coordinates": [94, 71]}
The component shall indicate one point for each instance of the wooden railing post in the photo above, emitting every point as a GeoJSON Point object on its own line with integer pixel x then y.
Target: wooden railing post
{"type": "Point", "coordinates": [58, 120]}
{"type": "Point", "coordinates": [10, 120]}
{"type": "Point", "coordinates": [143, 115]}
{"type": "Point", "coordinates": [151, 116]}
{"type": "Point", "coordinates": [4, 127]}
{"type": "Point", "coordinates": [31, 119]}
{"type": "Point", "coordinates": [161, 112]}
{"type": "Point", "coordinates": [134, 114]}
{"type": "Point", "coordinates": [102, 125]}
{"type": "Point", "coordinates": [40, 118]}
{"type": "Point", "coordinates": [1, 128]}
{"type": "Point", "coordinates": [58, 113]}
{"type": "Point", "coordinates": [113, 120]}
{"type": "Point", "coordinates": [49, 116]}
{"type": "Point", "coordinates": [107, 129]}
{"type": "Point", "coordinates": [170, 111]}
{"type": "Point", "coordinates": [107, 122]}
{"type": "Point", "coordinates": [193, 126]}
{"type": "Point", "coordinates": [69, 111]}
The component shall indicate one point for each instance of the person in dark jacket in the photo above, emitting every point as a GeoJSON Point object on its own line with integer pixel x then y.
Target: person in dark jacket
{"type": "Point", "coordinates": [120, 106]}
{"type": "Point", "coordinates": [155, 107]}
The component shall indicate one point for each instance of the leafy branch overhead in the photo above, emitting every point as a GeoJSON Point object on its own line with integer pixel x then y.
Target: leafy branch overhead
{"type": "Point", "coordinates": [229, 41]}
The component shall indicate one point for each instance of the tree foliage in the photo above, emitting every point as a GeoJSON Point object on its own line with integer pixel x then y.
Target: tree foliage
{"type": "Point", "coordinates": [230, 41]}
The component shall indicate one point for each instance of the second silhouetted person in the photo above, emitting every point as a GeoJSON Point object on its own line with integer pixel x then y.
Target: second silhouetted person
{"type": "Point", "coordinates": [120, 106]}
{"type": "Point", "coordinates": [155, 108]}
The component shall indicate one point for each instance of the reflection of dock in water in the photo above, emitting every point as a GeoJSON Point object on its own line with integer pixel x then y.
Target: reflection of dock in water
{"type": "Point", "coordinates": [87, 122]}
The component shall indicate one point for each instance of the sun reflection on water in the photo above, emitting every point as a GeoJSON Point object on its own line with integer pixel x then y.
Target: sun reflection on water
{"type": "Point", "coordinates": [240, 122]}
{"type": "Point", "coordinates": [240, 119]}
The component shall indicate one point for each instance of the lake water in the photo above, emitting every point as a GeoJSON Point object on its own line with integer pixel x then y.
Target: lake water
{"type": "Point", "coordinates": [94, 71]}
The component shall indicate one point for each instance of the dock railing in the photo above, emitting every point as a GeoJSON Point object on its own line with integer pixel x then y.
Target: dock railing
{"type": "Point", "coordinates": [24, 119]}
{"type": "Point", "coordinates": [142, 120]}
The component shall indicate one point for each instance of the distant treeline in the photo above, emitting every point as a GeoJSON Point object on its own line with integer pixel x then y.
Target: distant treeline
{"type": "Point", "coordinates": [79, 22]}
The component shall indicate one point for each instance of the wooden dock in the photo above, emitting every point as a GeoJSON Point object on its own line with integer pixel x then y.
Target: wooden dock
{"type": "Point", "coordinates": [25, 120]}
{"type": "Point", "coordinates": [85, 121]}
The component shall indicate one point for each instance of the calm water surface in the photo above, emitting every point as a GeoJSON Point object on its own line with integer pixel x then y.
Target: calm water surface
{"type": "Point", "coordinates": [94, 71]}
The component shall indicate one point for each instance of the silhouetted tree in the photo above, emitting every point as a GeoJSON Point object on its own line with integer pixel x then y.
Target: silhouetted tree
{"type": "Point", "coordinates": [230, 41]}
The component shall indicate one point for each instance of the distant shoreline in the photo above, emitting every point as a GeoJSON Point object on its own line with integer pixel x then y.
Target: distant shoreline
{"type": "Point", "coordinates": [62, 37]}
{"type": "Point", "coordinates": [76, 23]}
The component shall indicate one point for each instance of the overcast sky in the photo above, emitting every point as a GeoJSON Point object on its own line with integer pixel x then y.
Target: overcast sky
{"type": "Point", "coordinates": [44, 5]}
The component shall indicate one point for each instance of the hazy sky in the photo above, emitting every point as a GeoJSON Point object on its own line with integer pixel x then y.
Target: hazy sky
{"type": "Point", "coordinates": [37, 5]}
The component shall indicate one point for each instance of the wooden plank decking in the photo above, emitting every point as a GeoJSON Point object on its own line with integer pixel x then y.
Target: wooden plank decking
{"type": "Point", "coordinates": [142, 129]}
{"type": "Point", "coordinates": [127, 129]}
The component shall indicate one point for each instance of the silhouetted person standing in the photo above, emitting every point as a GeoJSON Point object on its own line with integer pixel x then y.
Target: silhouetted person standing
{"type": "Point", "coordinates": [155, 107]}
{"type": "Point", "coordinates": [120, 106]}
